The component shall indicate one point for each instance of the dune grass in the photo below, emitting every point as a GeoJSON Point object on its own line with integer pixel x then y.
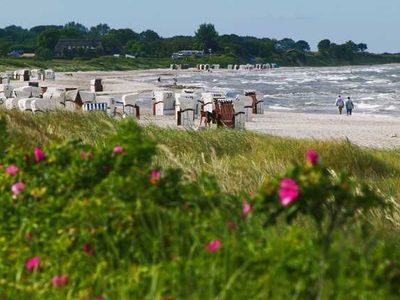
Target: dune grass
{"type": "Point", "coordinates": [239, 159]}
{"type": "Point", "coordinates": [166, 257]}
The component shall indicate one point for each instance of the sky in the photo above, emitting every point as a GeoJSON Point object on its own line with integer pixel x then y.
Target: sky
{"type": "Point", "coordinates": [374, 22]}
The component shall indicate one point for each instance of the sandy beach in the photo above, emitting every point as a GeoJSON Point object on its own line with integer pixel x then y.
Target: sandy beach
{"type": "Point", "coordinates": [361, 129]}
{"type": "Point", "coordinates": [366, 131]}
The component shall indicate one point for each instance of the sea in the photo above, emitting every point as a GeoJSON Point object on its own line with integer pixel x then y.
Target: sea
{"type": "Point", "coordinates": [373, 89]}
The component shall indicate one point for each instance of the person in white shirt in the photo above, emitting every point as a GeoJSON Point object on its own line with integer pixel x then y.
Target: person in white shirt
{"type": "Point", "coordinates": [340, 104]}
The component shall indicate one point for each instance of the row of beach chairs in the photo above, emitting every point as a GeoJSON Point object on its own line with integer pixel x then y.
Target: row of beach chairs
{"type": "Point", "coordinates": [30, 98]}
{"type": "Point", "coordinates": [211, 107]}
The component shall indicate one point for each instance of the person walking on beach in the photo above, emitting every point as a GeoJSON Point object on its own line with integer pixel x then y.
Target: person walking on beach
{"type": "Point", "coordinates": [340, 104]}
{"type": "Point", "coordinates": [349, 106]}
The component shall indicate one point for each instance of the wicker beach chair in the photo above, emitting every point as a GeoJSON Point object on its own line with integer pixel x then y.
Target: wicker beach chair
{"type": "Point", "coordinates": [130, 107]}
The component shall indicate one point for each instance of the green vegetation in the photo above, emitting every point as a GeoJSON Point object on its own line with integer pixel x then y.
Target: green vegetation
{"type": "Point", "coordinates": [191, 215]}
{"type": "Point", "coordinates": [153, 51]}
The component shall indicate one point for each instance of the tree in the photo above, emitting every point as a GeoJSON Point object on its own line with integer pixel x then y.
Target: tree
{"type": "Point", "coordinates": [77, 26]}
{"type": "Point", "coordinates": [362, 47]}
{"type": "Point", "coordinates": [149, 36]}
{"type": "Point", "coordinates": [207, 37]}
{"type": "Point", "coordinates": [99, 30]}
{"type": "Point", "coordinates": [302, 46]}
{"type": "Point", "coordinates": [286, 44]}
{"type": "Point", "coordinates": [43, 54]}
{"type": "Point", "coordinates": [324, 45]}
{"type": "Point", "coordinates": [352, 47]}
{"type": "Point", "coordinates": [49, 38]}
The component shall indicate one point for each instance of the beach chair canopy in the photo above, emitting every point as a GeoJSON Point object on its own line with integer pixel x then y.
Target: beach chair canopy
{"type": "Point", "coordinates": [167, 97]}
{"type": "Point", "coordinates": [130, 99]}
{"type": "Point", "coordinates": [87, 97]}
{"type": "Point", "coordinates": [42, 105]}
{"type": "Point", "coordinates": [187, 102]}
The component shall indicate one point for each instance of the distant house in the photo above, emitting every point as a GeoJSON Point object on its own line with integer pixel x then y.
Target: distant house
{"type": "Point", "coordinates": [28, 55]}
{"type": "Point", "coordinates": [16, 53]}
{"type": "Point", "coordinates": [77, 47]}
{"type": "Point", "coordinates": [185, 53]}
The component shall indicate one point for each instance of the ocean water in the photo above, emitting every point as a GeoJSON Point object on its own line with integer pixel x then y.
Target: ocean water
{"type": "Point", "coordinates": [373, 89]}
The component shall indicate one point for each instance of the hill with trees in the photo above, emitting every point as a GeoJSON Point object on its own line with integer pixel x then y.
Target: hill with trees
{"type": "Point", "coordinates": [43, 41]}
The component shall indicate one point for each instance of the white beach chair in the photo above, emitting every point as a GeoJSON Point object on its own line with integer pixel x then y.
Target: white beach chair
{"type": "Point", "coordinates": [163, 103]}
{"type": "Point", "coordinates": [130, 107]}
{"type": "Point", "coordinates": [245, 103]}
{"type": "Point", "coordinates": [186, 113]}
{"type": "Point", "coordinates": [11, 103]}
{"type": "Point", "coordinates": [241, 106]}
{"type": "Point", "coordinates": [72, 100]}
{"type": "Point", "coordinates": [25, 104]}
{"type": "Point", "coordinates": [49, 75]}
{"type": "Point", "coordinates": [45, 105]}
{"type": "Point", "coordinates": [23, 92]}
{"type": "Point", "coordinates": [6, 90]}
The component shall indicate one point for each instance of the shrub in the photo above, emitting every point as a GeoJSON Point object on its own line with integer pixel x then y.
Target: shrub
{"type": "Point", "coordinates": [80, 222]}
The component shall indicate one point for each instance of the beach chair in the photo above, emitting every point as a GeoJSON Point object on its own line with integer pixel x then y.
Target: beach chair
{"type": "Point", "coordinates": [241, 108]}
{"type": "Point", "coordinates": [11, 103]}
{"type": "Point", "coordinates": [22, 92]}
{"type": "Point", "coordinates": [163, 103]}
{"type": "Point", "coordinates": [247, 103]}
{"type": "Point", "coordinates": [87, 97]}
{"type": "Point", "coordinates": [186, 113]}
{"type": "Point", "coordinates": [130, 107]}
{"type": "Point", "coordinates": [25, 104]}
{"type": "Point", "coordinates": [45, 105]}
{"type": "Point", "coordinates": [258, 105]}
{"type": "Point", "coordinates": [95, 107]}
{"type": "Point", "coordinates": [73, 100]}
{"type": "Point", "coordinates": [96, 85]}
{"type": "Point", "coordinates": [6, 90]}
{"type": "Point", "coordinates": [224, 112]}
{"type": "Point", "coordinates": [110, 103]}
{"type": "Point", "coordinates": [49, 75]}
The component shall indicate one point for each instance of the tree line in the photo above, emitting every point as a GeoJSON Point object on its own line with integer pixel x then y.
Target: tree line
{"type": "Point", "coordinates": [43, 39]}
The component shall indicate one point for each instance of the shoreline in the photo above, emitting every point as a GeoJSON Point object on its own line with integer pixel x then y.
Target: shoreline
{"type": "Point", "coordinates": [374, 131]}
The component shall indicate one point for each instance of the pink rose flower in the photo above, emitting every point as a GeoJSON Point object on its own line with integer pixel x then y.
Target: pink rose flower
{"type": "Point", "coordinates": [32, 263]}
{"type": "Point", "coordinates": [289, 191]}
{"type": "Point", "coordinates": [17, 188]}
{"type": "Point", "coordinates": [312, 157]}
{"type": "Point", "coordinates": [12, 170]}
{"type": "Point", "coordinates": [39, 155]}
{"type": "Point", "coordinates": [247, 208]}
{"type": "Point", "coordinates": [118, 149]}
{"type": "Point", "coordinates": [59, 281]}
{"type": "Point", "coordinates": [155, 176]}
{"type": "Point", "coordinates": [213, 246]}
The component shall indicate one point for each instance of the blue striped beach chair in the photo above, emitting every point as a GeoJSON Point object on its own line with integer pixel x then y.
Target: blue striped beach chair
{"type": "Point", "coordinates": [95, 107]}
